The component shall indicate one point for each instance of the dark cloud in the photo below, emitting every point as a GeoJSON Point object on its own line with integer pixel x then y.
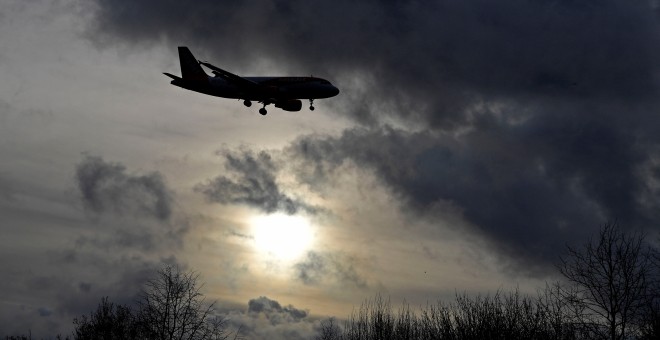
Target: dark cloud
{"type": "Point", "coordinates": [537, 120]}
{"type": "Point", "coordinates": [137, 209]}
{"type": "Point", "coordinates": [57, 296]}
{"type": "Point", "coordinates": [85, 287]}
{"type": "Point", "coordinates": [106, 186]}
{"type": "Point", "coordinates": [268, 319]}
{"type": "Point", "coordinates": [422, 60]}
{"type": "Point", "coordinates": [274, 311]}
{"type": "Point", "coordinates": [140, 231]}
{"type": "Point", "coordinates": [254, 184]}
{"type": "Point", "coordinates": [323, 268]}
{"type": "Point", "coordinates": [529, 187]}
{"type": "Point", "coordinates": [121, 278]}
{"type": "Point", "coordinates": [44, 312]}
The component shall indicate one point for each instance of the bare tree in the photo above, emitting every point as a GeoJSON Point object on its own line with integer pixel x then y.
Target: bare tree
{"type": "Point", "coordinates": [329, 330]}
{"type": "Point", "coordinates": [108, 322]}
{"type": "Point", "coordinates": [609, 281]}
{"type": "Point", "coordinates": [172, 307]}
{"type": "Point", "coordinates": [651, 321]}
{"type": "Point", "coordinates": [557, 312]}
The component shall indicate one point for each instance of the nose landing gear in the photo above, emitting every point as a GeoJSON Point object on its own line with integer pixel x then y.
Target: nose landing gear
{"type": "Point", "coordinates": [311, 104]}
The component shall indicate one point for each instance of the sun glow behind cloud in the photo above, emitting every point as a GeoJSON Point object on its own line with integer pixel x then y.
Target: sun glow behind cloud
{"type": "Point", "coordinates": [282, 236]}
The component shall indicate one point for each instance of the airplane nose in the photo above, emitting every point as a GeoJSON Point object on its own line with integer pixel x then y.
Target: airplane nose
{"type": "Point", "coordinates": [335, 91]}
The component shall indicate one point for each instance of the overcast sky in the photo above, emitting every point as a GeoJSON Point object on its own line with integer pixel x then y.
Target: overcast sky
{"type": "Point", "coordinates": [471, 141]}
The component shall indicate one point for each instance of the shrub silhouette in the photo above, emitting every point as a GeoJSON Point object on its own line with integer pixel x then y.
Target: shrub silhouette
{"type": "Point", "coordinates": [610, 290]}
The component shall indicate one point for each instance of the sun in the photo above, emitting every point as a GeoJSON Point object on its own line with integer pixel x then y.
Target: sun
{"type": "Point", "coordinates": [282, 236]}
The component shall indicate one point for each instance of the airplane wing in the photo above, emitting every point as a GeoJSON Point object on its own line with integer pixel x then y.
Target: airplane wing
{"type": "Point", "coordinates": [230, 77]}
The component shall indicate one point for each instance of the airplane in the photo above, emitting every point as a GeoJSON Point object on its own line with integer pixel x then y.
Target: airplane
{"type": "Point", "coordinates": [284, 92]}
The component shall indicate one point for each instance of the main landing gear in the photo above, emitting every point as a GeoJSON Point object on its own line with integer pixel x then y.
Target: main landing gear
{"type": "Point", "coordinates": [262, 110]}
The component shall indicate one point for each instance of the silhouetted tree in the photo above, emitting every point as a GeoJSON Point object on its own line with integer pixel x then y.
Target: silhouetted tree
{"type": "Point", "coordinates": [169, 307]}
{"type": "Point", "coordinates": [108, 322]}
{"type": "Point", "coordinates": [559, 314]}
{"type": "Point", "coordinates": [612, 291]}
{"type": "Point", "coordinates": [329, 330]}
{"type": "Point", "coordinates": [651, 321]}
{"type": "Point", "coordinates": [172, 307]}
{"type": "Point", "coordinates": [609, 282]}
{"type": "Point", "coordinates": [501, 316]}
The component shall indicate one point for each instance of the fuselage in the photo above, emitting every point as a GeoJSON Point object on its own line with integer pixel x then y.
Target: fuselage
{"type": "Point", "coordinates": [280, 88]}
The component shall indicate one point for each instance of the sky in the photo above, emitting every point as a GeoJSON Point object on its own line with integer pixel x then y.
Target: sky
{"type": "Point", "coordinates": [470, 143]}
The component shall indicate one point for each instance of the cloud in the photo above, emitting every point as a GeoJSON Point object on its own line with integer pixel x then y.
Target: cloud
{"type": "Point", "coordinates": [86, 257]}
{"type": "Point", "coordinates": [106, 186]}
{"type": "Point", "coordinates": [7, 189]}
{"type": "Point", "coordinates": [254, 184]}
{"type": "Point", "coordinates": [528, 187]}
{"type": "Point", "coordinates": [329, 268]}
{"type": "Point", "coordinates": [56, 295]}
{"type": "Point", "coordinates": [85, 287]}
{"type": "Point", "coordinates": [137, 209]}
{"type": "Point", "coordinates": [274, 311]}
{"type": "Point", "coordinates": [537, 121]}
{"type": "Point", "coordinates": [423, 61]}
{"type": "Point", "coordinates": [44, 312]}
{"type": "Point", "coordinates": [140, 231]}
{"type": "Point", "coordinates": [266, 318]}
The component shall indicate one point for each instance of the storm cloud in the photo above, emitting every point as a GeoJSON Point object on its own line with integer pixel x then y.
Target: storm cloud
{"type": "Point", "coordinates": [537, 121]}
{"type": "Point", "coordinates": [527, 194]}
{"type": "Point", "coordinates": [254, 184]}
{"type": "Point", "coordinates": [428, 61]}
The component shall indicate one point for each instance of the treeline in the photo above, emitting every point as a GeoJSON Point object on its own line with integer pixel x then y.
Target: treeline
{"type": "Point", "coordinates": [610, 291]}
{"type": "Point", "coordinates": [501, 316]}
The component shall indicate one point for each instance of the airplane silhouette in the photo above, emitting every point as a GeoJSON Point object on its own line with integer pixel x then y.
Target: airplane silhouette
{"type": "Point", "coordinates": [284, 92]}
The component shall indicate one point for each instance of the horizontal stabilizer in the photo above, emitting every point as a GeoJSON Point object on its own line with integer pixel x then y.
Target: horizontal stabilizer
{"type": "Point", "coordinates": [171, 76]}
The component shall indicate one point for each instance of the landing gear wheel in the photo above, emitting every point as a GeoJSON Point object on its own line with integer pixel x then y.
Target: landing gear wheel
{"type": "Point", "coordinates": [263, 111]}
{"type": "Point", "coordinates": [247, 103]}
{"type": "Point", "coordinates": [311, 108]}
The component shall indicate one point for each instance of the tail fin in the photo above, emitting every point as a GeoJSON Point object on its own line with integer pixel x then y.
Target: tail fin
{"type": "Point", "coordinates": [190, 69]}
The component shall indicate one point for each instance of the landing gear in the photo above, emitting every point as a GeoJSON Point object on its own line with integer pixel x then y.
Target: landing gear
{"type": "Point", "coordinates": [262, 110]}
{"type": "Point", "coordinates": [247, 103]}
{"type": "Point", "coordinates": [311, 104]}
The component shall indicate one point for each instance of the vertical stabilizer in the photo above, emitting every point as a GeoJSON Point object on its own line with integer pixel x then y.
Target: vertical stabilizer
{"type": "Point", "coordinates": [190, 69]}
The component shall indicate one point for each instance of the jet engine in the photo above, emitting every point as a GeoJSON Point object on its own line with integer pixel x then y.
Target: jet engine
{"type": "Point", "coordinates": [289, 105]}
